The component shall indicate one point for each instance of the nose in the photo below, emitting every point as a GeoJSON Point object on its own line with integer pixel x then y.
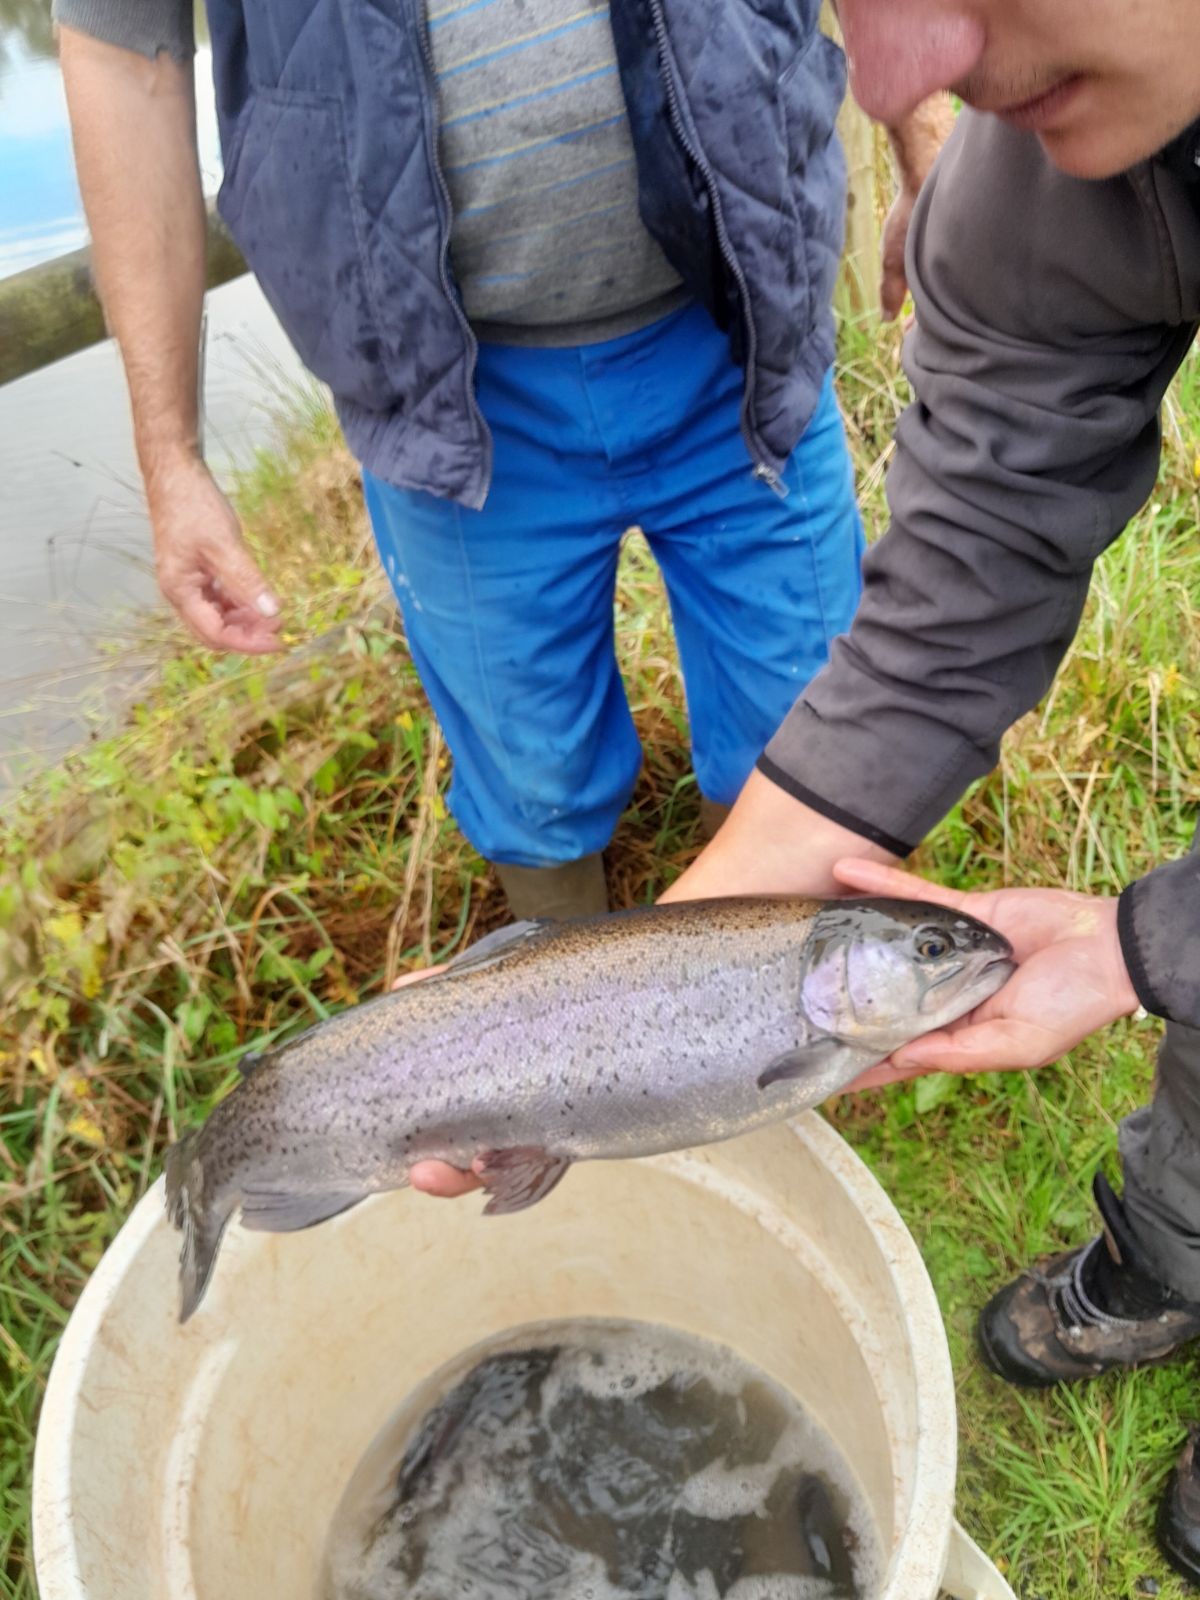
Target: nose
{"type": "Point", "coordinates": [902, 51]}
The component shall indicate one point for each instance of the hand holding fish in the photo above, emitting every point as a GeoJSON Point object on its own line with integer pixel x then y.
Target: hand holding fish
{"type": "Point", "coordinates": [771, 844]}
{"type": "Point", "coordinates": [1071, 977]}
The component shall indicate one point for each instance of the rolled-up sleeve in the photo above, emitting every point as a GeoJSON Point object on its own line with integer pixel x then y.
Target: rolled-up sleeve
{"type": "Point", "coordinates": [1050, 320]}
{"type": "Point", "coordinates": [145, 26]}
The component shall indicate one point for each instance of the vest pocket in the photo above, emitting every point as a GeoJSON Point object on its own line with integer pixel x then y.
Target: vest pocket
{"type": "Point", "coordinates": [290, 204]}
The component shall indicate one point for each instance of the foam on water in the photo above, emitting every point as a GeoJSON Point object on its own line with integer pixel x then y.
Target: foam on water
{"type": "Point", "coordinates": [602, 1461]}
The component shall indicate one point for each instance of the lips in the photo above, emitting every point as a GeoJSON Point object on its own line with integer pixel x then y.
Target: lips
{"type": "Point", "coordinates": [1039, 114]}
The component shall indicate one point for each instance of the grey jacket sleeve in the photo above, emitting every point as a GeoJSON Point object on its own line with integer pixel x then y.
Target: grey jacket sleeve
{"type": "Point", "coordinates": [146, 26]}
{"type": "Point", "coordinates": [1051, 316]}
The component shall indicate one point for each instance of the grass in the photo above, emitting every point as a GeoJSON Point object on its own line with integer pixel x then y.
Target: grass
{"type": "Point", "coordinates": [264, 843]}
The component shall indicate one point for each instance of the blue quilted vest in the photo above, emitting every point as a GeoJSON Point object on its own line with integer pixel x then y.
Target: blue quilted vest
{"type": "Point", "coordinates": [332, 189]}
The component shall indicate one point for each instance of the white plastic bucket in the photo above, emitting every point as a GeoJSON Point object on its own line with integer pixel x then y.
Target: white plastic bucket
{"type": "Point", "coordinates": [206, 1462]}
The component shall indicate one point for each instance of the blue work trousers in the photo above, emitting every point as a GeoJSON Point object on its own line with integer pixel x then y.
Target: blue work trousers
{"type": "Point", "coordinates": [509, 610]}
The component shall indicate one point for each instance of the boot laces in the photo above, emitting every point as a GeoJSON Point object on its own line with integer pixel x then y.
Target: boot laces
{"type": "Point", "coordinates": [1076, 1307]}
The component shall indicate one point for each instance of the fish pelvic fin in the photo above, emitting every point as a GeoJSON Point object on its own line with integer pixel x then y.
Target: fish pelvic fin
{"type": "Point", "coordinates": [199, 1217]}
{"type": "Point", "coordinates": [518, 1177]}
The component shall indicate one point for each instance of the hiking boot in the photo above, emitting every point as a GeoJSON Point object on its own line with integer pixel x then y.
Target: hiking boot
{"type": "Point", "coordinates": [570, 889]}
{"type": "Point", "coordinates": [1088, 1310]}
{"type": "Point", "coordinates": [1178, 1526]}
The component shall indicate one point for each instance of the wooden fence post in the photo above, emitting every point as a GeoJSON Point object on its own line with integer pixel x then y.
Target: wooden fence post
{"type": "Point", "coordinates": [860, 263]}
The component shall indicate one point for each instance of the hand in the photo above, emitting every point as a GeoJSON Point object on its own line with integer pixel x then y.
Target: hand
{"type": "Point", "coordinates": [771, 844]}
{"type": "Point", "coordinates": [894, 284]}
{"type": "Point", "coordinates": [916, 143]}
{"type": "Point", "coordinates": [204, 567]}
{"type": "Point", "coordinates": [1071, 978]}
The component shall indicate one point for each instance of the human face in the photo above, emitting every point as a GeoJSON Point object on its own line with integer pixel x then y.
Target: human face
{"type": "Point", "coordinates": [1102, 83]}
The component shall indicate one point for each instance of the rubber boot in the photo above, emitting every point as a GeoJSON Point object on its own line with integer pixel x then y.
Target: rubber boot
{"type": "Point", "coordinates": [570, 889]}
{"type": "Point", "coordinates": [712, 815]}
{"type": "Point", "coordinates": [1086, 1311]}
{"type": "Point", "coordinates": [1178, 1526]}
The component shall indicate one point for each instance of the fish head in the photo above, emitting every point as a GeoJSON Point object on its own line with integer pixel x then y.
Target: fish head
{"type": "Point", "coordinates": [880, 972]}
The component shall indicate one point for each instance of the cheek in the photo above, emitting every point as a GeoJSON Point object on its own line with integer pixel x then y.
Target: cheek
{"type": "Point", "coordinates": [880, 985]}
{"type": "Point", "coordinates": [823, 992]}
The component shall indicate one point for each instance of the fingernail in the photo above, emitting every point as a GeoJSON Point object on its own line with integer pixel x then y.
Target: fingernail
{"type": "Point", "coordinates": [267, 604]}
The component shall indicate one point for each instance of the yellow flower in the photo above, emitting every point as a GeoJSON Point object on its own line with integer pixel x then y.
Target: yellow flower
{"type": "Point", "coordinates": [85, 1129]}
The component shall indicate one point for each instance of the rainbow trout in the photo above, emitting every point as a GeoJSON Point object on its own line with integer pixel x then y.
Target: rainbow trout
{"type": "Point", "coordinates": [547, 1043]}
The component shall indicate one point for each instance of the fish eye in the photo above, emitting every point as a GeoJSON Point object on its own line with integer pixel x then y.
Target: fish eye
{"type": "Point", "coordinates": [932, 944]}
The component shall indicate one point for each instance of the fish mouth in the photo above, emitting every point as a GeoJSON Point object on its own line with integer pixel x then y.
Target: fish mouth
{"type": "Point", "coordinates": [947, 977]}
{"type": "Point", "coordinates": [1004, 964]}
{"type": "Point", "coordinates": [983, 978]}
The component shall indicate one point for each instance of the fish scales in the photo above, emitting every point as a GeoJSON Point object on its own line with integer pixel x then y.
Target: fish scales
{"type": "Point", "coordinates": [620, 1036]}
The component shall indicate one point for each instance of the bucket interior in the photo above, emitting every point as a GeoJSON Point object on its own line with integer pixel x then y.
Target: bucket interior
{"type": "Point", "coordinates": [207, 1462]}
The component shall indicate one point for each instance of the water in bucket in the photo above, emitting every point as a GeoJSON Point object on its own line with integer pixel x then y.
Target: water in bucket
{"type": "Point", "coordinates": [602, 1461]}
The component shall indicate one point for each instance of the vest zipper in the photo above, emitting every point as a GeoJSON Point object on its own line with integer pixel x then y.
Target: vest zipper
{"type": "Point", "coordinates": [766, 474]}
{"type": "Point", "coordinates": [432, 130]}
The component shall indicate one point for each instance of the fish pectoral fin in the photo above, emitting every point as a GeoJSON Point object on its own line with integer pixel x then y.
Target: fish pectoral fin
{"type": "Point", "coordinates": [815, 1056]}
{"type": "Point", "coordinates": [493, 947]}
{"type": "Point", "coordinates": [518, 1177]}
{"type": "Point", "coordinates": [277, 1211]}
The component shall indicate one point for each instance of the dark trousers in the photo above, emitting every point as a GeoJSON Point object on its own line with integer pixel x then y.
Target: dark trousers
{"type": "Point", "coordinates": [1160, 1147]}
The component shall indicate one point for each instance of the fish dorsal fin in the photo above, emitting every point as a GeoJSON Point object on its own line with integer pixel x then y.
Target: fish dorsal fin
{"type": "Point", "coordinates": [494, 947]}
{"type": "Point", "coordinates": [518, 1177]}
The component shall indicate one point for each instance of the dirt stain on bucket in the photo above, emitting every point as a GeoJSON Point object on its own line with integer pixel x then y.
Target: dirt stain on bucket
{"type": "Point", "coordinates": [602, 1461]}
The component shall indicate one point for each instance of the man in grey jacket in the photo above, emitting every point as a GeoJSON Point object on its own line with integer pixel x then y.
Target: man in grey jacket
{"type": "Point", "coordinates": [1054, 260]}
{"type": "Point", "coordinates": [1055, 266]}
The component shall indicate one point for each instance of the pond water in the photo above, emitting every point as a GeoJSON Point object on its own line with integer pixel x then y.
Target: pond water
{"type": "Point", "coordinates": [74, 538]}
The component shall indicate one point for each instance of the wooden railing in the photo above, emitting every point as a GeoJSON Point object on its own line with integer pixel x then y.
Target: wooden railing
{"type": "Point", "coordinates": [50, 311]}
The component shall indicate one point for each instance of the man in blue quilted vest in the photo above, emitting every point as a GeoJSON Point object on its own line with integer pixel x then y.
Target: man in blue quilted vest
{"type": "Point", "coordinates": [565, 270]}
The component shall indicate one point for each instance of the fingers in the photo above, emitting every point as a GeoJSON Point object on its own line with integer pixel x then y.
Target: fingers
{"type": "Point", "coordinates": [1006, 1044]}
{"type": "Point", "coordinates": [442, 1180]}
{"type": "Point", "coordinates": [240, 579]}
{"type": "Point", "coordinates": [873, 877]}
{"type": "Point", "coordinates": [893, 287]}
{"type": "Point", "coordinates": [216, 622]}
{"type": "Point", "coordinates": [894, 283]}
{"type": "Point", "coordinates": [406, 978]}
{"type": "Point", "coordinates": [882, 1076]}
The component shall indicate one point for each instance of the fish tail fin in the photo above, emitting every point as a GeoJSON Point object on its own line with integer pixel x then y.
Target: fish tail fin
{"type": "Point", "coordinates": [200, 1217]}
